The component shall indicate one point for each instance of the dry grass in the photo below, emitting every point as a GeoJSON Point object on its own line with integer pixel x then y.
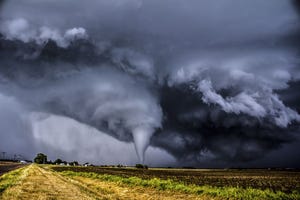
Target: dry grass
{"type": "Point", "coordinates": [42, 184]}
{"type": "Point", "coordinates": [114, 191]}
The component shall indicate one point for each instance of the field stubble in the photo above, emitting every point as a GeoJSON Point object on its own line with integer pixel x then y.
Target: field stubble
{"type": "Point", "coordinates": [274, 180]}
{"type": "Point", "coordinates": [9, 166]}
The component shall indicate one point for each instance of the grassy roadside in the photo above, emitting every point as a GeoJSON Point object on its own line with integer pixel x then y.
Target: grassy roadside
{"type": "Point", "coordinates": [169, 185]}
{"type": "Point", "coordinates": [12, 178]}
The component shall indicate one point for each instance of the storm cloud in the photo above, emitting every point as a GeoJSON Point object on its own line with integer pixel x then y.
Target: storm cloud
{"type": "Point", "coordinates": [208, 83]}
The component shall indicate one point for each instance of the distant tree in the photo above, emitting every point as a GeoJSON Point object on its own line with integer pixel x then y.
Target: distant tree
{"type": "Point", "coordinates": [40, 158]}
{"type": "Point", "coordinates": [58, 161]}
{"type": "Point", "coordinates": [74, 163]}
{"type": "Point", "coordinates": [140, 166]}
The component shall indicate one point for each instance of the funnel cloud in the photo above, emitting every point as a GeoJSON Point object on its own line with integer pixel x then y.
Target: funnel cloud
{"type": "Point", "coordinates": [181, 83]}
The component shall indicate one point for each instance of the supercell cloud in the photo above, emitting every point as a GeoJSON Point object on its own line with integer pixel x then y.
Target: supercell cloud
{"type": "Point", "coordinates": [203, 83]}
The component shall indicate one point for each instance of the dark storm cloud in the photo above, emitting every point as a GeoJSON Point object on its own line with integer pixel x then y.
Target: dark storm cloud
{"type": "Point", "coordinates": [297, 5]}
{"type": "Point", "coordinates": [1, 2]}
{"type": "Point", "coordinates": [207, 82]}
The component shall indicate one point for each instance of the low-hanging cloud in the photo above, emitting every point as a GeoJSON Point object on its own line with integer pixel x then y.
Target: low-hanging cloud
{"type": "Point", "coordinates": [251, 93]}
{"type": "Point", "coordinates": [127, 110]}
{"type": "Point", "coordinates": [70, 142]}
{"type": "Point", "coordinates": [19, 29]}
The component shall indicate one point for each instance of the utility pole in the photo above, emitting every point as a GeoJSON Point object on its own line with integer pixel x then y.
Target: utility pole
{"type": "Point", "coordinates": [3, 155]}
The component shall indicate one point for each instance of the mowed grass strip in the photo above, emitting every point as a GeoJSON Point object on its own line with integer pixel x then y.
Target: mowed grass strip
{"type": "Point", "coordinates": [113, 190]}
{"type": "Point", "coordinates": [204, 191]}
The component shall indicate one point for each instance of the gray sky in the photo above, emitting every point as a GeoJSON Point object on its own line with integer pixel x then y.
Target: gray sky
{"type": "Point", "coordinates": [204, 83]}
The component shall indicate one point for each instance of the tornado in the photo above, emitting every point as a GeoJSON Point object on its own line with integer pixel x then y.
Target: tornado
{"type": "Point", "coordinates": [141, 138]}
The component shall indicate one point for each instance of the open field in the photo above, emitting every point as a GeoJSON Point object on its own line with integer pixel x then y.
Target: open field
{"type": "Point", "coordinates": [275, 180]}
{"type": "Point", "coordinates": [56, 182]}
{"type": "Point", "coordinates": [35, 182]}
{"type": "Point", "coordinates": [8, 166]}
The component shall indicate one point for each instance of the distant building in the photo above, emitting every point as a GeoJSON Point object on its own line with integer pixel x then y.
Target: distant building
{"type": "Point", "coordinates": [87, 164]}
